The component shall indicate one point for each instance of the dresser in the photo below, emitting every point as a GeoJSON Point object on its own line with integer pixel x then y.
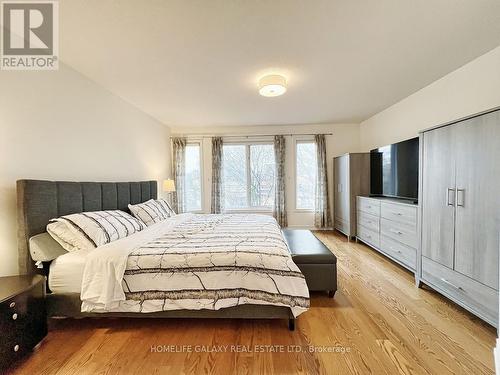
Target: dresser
{"type": "Point", "coordinates": [390, 227]}
{"type": "Point", "coordinates": [351, 174]}
{"type": "Point", "coordinates": [23, 318]}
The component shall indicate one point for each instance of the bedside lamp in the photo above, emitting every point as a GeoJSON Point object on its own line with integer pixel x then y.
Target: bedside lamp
{"type": "Point", "coordinates": [169, 188]}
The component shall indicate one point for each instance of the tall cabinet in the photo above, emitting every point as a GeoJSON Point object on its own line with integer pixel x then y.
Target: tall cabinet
{"type": "Point", "coordinates": [351, 178]}
{"type": "Point", "coordinates": [460, 211]}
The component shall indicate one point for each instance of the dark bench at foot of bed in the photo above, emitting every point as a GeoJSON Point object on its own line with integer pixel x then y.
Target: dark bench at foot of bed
{"type": "Point", "coordinates": [315, 261]}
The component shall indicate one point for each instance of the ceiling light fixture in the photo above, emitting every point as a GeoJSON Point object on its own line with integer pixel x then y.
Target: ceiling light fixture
{"type": "Point", "coordinates": [272, 85]}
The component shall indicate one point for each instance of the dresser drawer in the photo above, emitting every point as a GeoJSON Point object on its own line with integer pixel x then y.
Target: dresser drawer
{"type": "Point", "coordinates": [368, 236]}
{"type": "Point", "coordinates": [342, 225]}
{"type": "Point", "coordinates": [370, 206]}
{"type": "Point", "coordinates": [403, 233]}
{"type": "Point", "coordinates": [398, 251]}
{"type": "Point", "coordinates": [398, 212]}
{"type": "Point", "coordinates": [479, 298]}
{"type": "Point", "coordinates": [369, 221]}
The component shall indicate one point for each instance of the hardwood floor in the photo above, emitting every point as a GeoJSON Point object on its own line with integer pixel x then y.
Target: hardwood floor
{"type": "Point", "coordinates": [378, 323]}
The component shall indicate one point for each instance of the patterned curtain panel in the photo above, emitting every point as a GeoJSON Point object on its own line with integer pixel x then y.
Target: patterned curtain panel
{"type": "Point", "coordinates": [179, 170]}
{"type": "Point", "coordinates": [217, 195]}
{"type": "Point", "coordinates": [279, 211]}
{"type": "Point", "coordinates": [322, 203]}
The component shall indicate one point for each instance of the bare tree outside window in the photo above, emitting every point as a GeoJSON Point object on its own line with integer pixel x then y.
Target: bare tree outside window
{"type": "Point", "coordinates": [248, 176]}
{"type": "Point", "coordinates": [192, 182]}
{"type": "Point", "coordinates": [306, 169]}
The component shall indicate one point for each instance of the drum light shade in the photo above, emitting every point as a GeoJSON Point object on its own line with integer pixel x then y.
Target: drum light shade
{"type": "Point", "coordinates": [272, 85]}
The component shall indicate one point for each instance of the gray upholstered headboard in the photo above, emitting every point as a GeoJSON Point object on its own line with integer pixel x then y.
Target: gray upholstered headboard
{"type": "Point", "coordinates": [39, 201]}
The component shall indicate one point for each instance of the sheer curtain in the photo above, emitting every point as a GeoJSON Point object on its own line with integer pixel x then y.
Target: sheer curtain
{"type": "Point", "coordinates": [322, 217]}
{"type": "Point", "coordinates": [279, 211]}
{"type": "Point", "coordinates": [216, 175]}
{"type": "Point", "coordinates": [179, 169]}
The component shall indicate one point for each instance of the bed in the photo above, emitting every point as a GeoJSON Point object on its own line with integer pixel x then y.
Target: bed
{"type": "Point", "coordinates": [206, 266]}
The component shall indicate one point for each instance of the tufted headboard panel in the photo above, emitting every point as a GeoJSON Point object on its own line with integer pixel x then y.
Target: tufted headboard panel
{"type": "Point", "coordinates": [38, 201]}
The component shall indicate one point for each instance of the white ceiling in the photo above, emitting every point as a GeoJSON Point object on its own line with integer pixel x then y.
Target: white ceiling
{"type": "Point", "coordinates": [197, 63]}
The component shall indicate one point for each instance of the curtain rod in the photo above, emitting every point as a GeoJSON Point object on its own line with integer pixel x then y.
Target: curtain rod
{"type": "Point", "coordinates": [242, 135]}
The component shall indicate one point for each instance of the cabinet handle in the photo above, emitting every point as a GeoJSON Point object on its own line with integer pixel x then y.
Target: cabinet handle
{"type": "Point", "coordinates": [460, 197]}
{"type": "Point", "coordinates": [397, 213]}
{"type": "Point", "coordinates": [448, 202]}
{"type": "Point", "coordinates": [16, 348]}
{"type": "Point", "coordinates": [12, 304]}
{"type": "Point", "coordinates": [396, 231]}
{"type": "Point", "coordinates": [452, 285]}
{"type": "Point", "coordinates": [14, 316]}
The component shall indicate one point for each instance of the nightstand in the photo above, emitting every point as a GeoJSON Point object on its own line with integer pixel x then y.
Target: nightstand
{"type": "Point", "coordinates": [23, 317]}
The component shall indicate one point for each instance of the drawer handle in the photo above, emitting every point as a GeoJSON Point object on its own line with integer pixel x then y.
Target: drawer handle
{"type": "Point", "coordinates": [397, 213]}
{"type": "Point", "coordinates": [393, 249]}
{"type": "Point", "coordinates": [16, 348]}
{"type": "Point", "coordinates": [453, 285]}
{"type": "Point", "coordinates": [12, 304]}
{"type": "Point", "coordinates": [396, 231]}
{"type": "Point", "coordinates": [14, 316]}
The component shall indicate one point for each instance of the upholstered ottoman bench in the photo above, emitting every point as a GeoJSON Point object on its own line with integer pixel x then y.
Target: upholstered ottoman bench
{"type": "Point", "coordinates": [316, 262]}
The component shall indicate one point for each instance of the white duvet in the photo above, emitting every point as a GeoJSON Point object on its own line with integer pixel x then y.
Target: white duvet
{"type": "Point", "coordinates": [195, 262]}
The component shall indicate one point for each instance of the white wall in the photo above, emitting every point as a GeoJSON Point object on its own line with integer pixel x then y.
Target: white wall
{"type": "Point", "coordinates": [59, 125]}
{"type": "Point", "coordinates": [473, 88]}
{"type": "Point", "coordinates": [345, 138]}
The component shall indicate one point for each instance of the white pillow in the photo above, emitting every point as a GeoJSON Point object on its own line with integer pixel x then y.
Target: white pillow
{"type": "Point", "coordinates": [88, 230]}
{"type": "Point", "coordinates": [151, 211]}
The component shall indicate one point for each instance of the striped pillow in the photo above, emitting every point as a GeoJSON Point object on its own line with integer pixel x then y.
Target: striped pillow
{"type": "Point", "coordinates": [167, 206]}
{"type": "Point", "coordinates": [150, 212]}
{"type": "Point", "coordinates": [88, 230]}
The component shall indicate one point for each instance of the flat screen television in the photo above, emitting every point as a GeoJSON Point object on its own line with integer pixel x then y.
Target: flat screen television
{"type": "Point", "coordinates": [394, 170]}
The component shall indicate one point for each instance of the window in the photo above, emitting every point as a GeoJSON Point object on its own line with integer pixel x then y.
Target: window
{"type": "Point", "coordinates": [305, 170]}
{"type": "Point", "coordinates": [248, 176]}
{"type": "Point", "coordinates": [192, 182]}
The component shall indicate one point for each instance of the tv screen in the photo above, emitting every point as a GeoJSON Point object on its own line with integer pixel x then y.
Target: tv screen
{"type": "Point", "coordinates": [394, 170]}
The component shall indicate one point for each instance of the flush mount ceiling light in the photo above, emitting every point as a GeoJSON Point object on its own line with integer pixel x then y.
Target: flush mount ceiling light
{"type": "Point", "coordinates": [272, 85]}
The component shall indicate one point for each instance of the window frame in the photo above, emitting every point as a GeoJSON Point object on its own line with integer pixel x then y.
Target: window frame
{"type": "Point", "coordinates": [247, 144]}
{"type": "Point", "coordinates": [297, 141]}
{"type": "Point", "coordinates": [199, 143]}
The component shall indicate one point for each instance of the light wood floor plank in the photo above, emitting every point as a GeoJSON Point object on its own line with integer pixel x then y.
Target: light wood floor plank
{"type": "Point", "coordinates": [385, 324]}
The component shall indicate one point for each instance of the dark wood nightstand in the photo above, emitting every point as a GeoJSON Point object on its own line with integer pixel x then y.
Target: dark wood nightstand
{"type": "Point", "coordinates": [23, 317]}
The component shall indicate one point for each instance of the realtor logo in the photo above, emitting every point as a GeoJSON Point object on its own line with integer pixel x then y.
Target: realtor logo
{"type": "Point", "coordinates": [30, 39]}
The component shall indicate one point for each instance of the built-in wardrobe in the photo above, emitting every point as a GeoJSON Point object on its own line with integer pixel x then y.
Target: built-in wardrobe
{"type": "Point", "coordinates": [351, 175]}
{"type": "Point", "coordinates": [460, 212]}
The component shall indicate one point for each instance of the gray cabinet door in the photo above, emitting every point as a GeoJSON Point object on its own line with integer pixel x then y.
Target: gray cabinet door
{"type": "Point", "coordinates": [438, 211]}
{"type": "Point", "coordinates": [341, 187]}
{"type": "Point", "coordinates": [478, 204]}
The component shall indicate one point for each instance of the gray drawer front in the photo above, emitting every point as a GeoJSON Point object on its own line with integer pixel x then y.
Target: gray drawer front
{"type": "Point", "coordinates": [342, 226]}
{"type": "Point", "coordinates": [370, 206]}
{"type": "Point", "coordinates": [403, 233]}
{"type": "Point", "coordinates": [478, 298]}
{"type": "Point", "coordinates": [369, 221]}
{"type": "Point", "coordinates": [368, 236]}
{"type": "Point", "coordinates": [398, 251]}
{"type": "Point", "coordinates": [398, 212]}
